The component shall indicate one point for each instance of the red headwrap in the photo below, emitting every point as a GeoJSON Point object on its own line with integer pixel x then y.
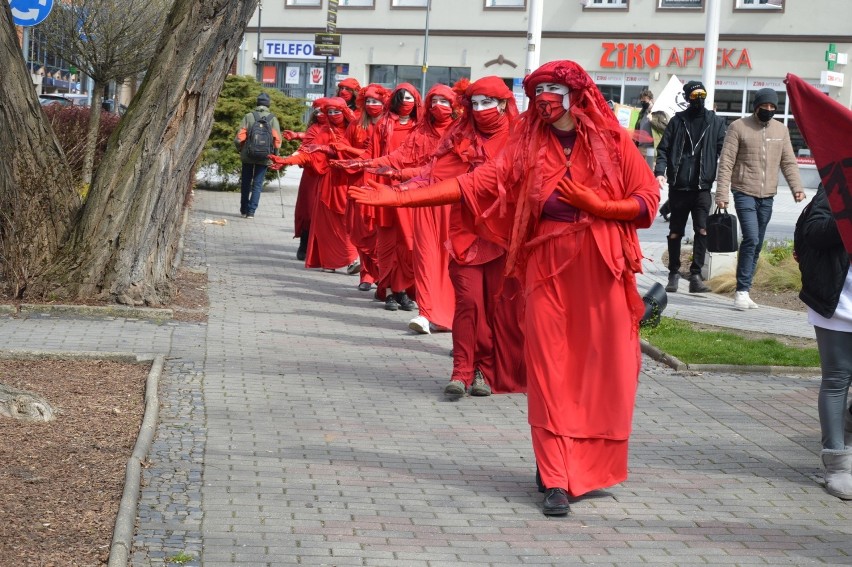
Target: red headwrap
{"type": "Point", "coordinates": [350, 83]}
{"type": "Point", "coordinates": [412, 90]}
{"type": "Point", "coordinates": [373, 90]}
{"type": "Point", "coordinates": [338, 103]}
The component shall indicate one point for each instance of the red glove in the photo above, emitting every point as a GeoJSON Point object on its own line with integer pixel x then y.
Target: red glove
{"type": "Point", "coordinates": [355, 164]}
{"type": "Point", "coordinates": [587, 199]}
{"type": "Point", "coordinates": [378, 195]}
{"type": "Point", "coordinates": [290, 135]}
{"type": "Point", "coordinates": [278, 162]}
{"type": "Point", "coordinates": [386, 171]}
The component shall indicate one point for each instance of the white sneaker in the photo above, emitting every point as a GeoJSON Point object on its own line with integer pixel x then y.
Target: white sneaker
{"type": "Point", "coordinates": [743, 302]}
{"type": "Point", "coordinates": [420, 324]}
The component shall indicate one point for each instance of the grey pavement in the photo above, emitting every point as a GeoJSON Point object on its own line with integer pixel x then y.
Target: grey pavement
{"type": "Point", "coordinates": [305, 425]}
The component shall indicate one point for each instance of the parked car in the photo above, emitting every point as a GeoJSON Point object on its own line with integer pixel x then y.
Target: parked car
{"type": "Point", "coordinates": [65, 99]}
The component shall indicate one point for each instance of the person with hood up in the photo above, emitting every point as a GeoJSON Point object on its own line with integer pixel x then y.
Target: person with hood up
{"type": "Point", "coordinates": [348, 90]}
{"type": "Point", "coordinates": [565, 198]}
{"type": "Point", "coordinates": [329, 247]}
{"type": "Point", "coordinates": [309, 182]}
{"type": "Point", "coordinates": [435, 297]}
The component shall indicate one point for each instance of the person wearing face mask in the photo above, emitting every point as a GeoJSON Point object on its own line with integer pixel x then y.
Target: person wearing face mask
{"type": "Point", "coordinates": [306, 196]}
{"type": "Point", "coordinates": [755, 148]}
{"type": "Point", "coordinates": [564, 198]}
{"type": "Point", "coordinates": [347, 89]}
{"type": "Point", "coordinates": [435, 297]}
{"type": "Point", "coordinates": [642, 127]}
{"type": "Point", "coordinates": [686, 159]}
{"type": "Point", "coordinates": [329, 246]}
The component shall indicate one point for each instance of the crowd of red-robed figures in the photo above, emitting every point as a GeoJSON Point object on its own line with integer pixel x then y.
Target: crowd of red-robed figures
{"type": "Point", "coordinates": [425, 260]}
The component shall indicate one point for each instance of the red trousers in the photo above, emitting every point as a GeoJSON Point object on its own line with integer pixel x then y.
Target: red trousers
{"type": "Point", "coordinates": [473, 342]}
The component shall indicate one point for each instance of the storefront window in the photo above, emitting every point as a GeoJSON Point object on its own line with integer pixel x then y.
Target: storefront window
{"type": "Point", "coordinates": [391, 75]}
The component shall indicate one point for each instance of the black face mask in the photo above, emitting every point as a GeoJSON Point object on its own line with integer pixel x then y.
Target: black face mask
{"type": "Point", "coordinates": [646, 105]}
{"type": "Point", "coordinates": [696, 104]}
{"type": "Point", "coordinates": [765, 115]}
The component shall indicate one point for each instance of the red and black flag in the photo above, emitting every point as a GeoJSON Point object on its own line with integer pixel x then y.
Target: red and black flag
{"type": "Point", "coordinates": [826, 126]}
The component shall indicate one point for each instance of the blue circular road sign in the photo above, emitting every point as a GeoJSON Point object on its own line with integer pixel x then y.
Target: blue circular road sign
{"type": "Point", "coordinates": [30, 12]}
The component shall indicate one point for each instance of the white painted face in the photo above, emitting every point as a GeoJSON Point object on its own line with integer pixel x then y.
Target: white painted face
{"type": "Point", "coordinates": [333, 111]}
{"type": "Point", "coordinates": [438, 100]}
{"type": "Point", "coordinates": [373, 102]}
{"type": "Point", "coordinates": [555, 88]}
{"type": "Point", "coordinates": [407, 96]}
{"type": "Point", "coordinates": [482, 102]}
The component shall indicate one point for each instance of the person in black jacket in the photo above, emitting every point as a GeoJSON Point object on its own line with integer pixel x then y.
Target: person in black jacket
{"type": "Point", "coordinates": [686, 160]}
{"type": "Point", "coordinates": [827, 291]}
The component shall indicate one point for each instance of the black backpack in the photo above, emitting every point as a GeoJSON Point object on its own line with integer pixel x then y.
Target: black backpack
{"type": "Point", "coordinates": [259, 142]}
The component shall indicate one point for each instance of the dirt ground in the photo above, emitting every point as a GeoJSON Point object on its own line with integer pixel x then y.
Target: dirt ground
{"type": "Point", "coordinates": [61, 482]}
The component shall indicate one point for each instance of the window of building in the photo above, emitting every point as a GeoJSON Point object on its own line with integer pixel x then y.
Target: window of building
{"type": "Point", "coordinates": [408, 3]}
{"type": "Point", "coordinates": [506, 4]}
{"type": "Point", "coordinates": [680, 5]}
{"type": "Point", "coordinates": [391, 75]}
{"type": "Point", "coordinates": [357, 4]}
{"type": "Point", "coordinates": [303, 3]}
{"type": "Point", "coordinates": [759, 5]}
{"type": "Point", "coordinates": [594, 4]}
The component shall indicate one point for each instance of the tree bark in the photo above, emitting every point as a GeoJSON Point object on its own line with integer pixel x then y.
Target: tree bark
{"type": "Point", "coordinates": [92, 133]}
{"type": "Point", "coordinates": [37, 197]}
{"type": "Point", "coordinates": [126, 242]}
{"type": "Point", "coordinates": [23, 405]}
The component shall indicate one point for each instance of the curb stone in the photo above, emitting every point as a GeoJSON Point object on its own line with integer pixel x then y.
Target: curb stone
{"type": "Point", "coordinates": [125, 521]}
{"type": "Point", "coordinates": [679, 365]}
{"type": "Point", "coordinates": [23, 354]}
{"type": "Point", "coordinates": [121, 311]}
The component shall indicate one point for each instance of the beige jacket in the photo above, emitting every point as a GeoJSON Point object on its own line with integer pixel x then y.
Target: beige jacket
{"type": "Point", "coordinates": [751, 156]}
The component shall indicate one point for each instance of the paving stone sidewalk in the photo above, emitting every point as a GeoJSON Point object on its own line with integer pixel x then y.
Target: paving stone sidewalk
{"type": "Point", "coordinates": [305, 425]}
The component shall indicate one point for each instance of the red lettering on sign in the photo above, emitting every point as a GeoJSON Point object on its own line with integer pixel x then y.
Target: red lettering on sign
{"type": "Point", "coordinates": [744, 59]}
{"type": "Point", "coordinates": [700, 52]}
{"type": "Point", "coordinates": [688, 55]}
{"type": "Point", "coordinates": [725, 57]}
{"type": "Point", "coordinates": [621, 48]}
{"type": "Point", "coordinates": [674, 58]}
{"type": "Point", "coordinates": [606, 62]}
{"type": "Point", "coordinates": [634, 56]}
{"type": "Point", "coordinates": [652, 55]}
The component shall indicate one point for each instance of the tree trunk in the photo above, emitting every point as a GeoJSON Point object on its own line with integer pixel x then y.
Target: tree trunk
{"type": "Point", "coordinates": [126, 242]}
{"type": "Point", "coordinates": [92, 133]}
{"type": "Point", "coordinates": [27, 406]}
{"type": "Point", "coordinates": [37, 197]}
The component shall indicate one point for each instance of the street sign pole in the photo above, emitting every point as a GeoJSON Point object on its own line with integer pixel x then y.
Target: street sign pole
{"type": "Point", "coordinates": [257, 60]}
{"type": "Point", "coordinates": [331, 30]}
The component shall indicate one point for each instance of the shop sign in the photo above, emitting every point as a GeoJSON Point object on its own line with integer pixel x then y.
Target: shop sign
{"type": "Point", "coordinates": [607, 78]}
{"type": "Point", "coordinates": [831, 78]}
{"type": "Point", "coordinates": [289, 49]}
{"type": "Point", "coordinates": [774, 84]}
{"type": "Point", "coordinates": [639, 56]}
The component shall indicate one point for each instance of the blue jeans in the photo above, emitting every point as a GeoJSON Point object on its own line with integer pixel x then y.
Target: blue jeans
{"type": "Point", "coordinates": [835, 356]}
{"type": "Point", "coordinates": [754, 215]}
{"type": "Point", "coordinates": [251, 184]}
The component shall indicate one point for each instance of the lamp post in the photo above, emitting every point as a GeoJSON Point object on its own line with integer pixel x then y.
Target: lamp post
{"type": "Point", "coordinates": [257, 61]}
{"type": "Point", "coordinates": [711, 46]}
{"type": "Point", "coordinates": [425, 49]}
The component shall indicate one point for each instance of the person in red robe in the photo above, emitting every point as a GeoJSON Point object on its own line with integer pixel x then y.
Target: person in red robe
{"type": "Point", "coordinates": [371, 105]}
{"type": "Point", "coordinates": [435, 297]}
{"type": "Point", "coordinates": [348, 90]}
{"type": "Point", "coordinates": [306, 196]}
{"type": "Point", "coordinates": [329, 247]}
{"type": "Point", "coordinates": [394, 231]}
{"type": "Point", "coordinates": [566, 196]}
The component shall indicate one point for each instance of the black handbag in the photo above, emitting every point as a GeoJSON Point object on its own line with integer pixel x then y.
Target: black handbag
{"type": "Point", "coordinates": [722, 232]}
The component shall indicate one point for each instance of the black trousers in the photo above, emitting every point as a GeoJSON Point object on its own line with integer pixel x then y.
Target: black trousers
{"type": "Point", "coordinates": [683, 204]}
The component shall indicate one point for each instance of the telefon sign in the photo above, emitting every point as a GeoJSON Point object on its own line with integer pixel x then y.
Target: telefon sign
{"type": "Point", "coordinates": [289, 49]}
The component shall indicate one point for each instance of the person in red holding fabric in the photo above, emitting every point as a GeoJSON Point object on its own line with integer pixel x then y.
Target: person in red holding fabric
{"type": "Point", "coordinates": [566, 196]}
{"type": "Point", "coordinates": [308, 183]}
{"type": "Point", "coordinates": [435, 297]}
{"type": "Point", "coordinates": [329, 247]}
{"type": "Point", "coordinates": [371, 103]}
{"type": "Point", "coordinates": [394, 236]}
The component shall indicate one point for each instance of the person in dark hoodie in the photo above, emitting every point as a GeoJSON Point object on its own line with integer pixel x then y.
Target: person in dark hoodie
{"type": "Point", "coordinates": [686, 160]}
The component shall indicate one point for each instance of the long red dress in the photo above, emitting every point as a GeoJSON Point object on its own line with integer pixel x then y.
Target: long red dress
{"type": "Point", "coordinates": [360, 219]}
{"type": "Point", "coordinates": [582, 307]}
{"type": "Point", "coordinates": [308, 185]}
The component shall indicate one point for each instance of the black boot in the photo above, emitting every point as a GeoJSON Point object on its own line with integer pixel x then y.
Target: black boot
{"type": "Point", "coordinates": [697, 285]}
{"type": "Point", "coordinates": [556, 502]}
{"type": "Point", "coordinates": [538, 483]}
{"type": "Point", "coordinates": [303, 246]}
{"type": "Point", "coordinates": [405, 302]}
{"type": "Point", "coordinates": [674, 278]}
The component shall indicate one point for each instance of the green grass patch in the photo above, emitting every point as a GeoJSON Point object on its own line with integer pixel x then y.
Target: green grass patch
{"type": "Point", "coordinates": [694, 346]}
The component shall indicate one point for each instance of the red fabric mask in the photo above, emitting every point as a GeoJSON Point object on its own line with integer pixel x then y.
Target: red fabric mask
{"type": "Point", "coordinates": [336, 119]}
{"type": "Point", "coordinates": [373, 110]}
{"type": "Point", "coordinates": [405, 108]}
{"type": "Point", "coordinates": [322, 118]}
{"type": "Point", "coordinates": [489, 120]}
{"type": "Point", "coordinates": [442, 114]}
{"type": "Point", "coordinates": [549, 107]}
{"type": "Point", "coordinates": [345, 94]}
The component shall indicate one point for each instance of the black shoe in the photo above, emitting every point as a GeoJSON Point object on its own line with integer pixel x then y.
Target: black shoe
{"type": "Point", "coordinates": [538, 483]}
{"type": "Point", "coordinates": [300, 255]}
{"type": "Point", "coordinates": [391, 304]}
{"type": "Point", "coordinates": [479, 387]}
{"type": "Point", "coordinates": [405, 302]}
{"type": "Point", "coordinates": [556, 502]}
{"type": "Point", "coordinates": [696, 285]}
{"type": "Point", "coordinates": [674, 278]}
{"type": "Point", "coordinates": [365, 286]}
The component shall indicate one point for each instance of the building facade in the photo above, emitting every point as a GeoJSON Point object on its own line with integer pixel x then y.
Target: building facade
{"type": "Point", "coordinates": [626, 45]}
